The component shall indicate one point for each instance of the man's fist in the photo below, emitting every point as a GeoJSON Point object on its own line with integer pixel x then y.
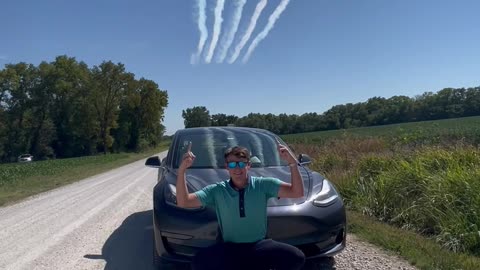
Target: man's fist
{"type": "Point", "coordinates": [285, 154]}
{"type": "Point", "coordinates": [188, 158]}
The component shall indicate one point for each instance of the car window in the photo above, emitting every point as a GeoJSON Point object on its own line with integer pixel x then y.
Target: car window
{"type": "Point", "coordinates": [209, 148]}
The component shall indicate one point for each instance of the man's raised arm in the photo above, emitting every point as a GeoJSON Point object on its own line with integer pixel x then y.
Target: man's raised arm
{"type": "Point", "coordinates": [185, 199]}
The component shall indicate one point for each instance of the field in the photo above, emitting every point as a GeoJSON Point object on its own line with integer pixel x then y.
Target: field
{"type": "Point", "coordinates": [20, 180]}
{"type": "Point", "coordinates": [415, 132]}
{"type": "Point", "coordinates": [420, 177]}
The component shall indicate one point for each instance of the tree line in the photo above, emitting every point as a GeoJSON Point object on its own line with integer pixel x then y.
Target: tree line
{"type": "Point", "coordinates": [446, 103]}
{"type": "Point", "coordinates": [66, 109]}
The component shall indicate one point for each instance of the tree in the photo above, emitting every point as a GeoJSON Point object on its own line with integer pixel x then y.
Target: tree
{"type": "Point", "coordinates": [42, 131]}
{"type": "Point", "coordinates": [17, 82]}
{"type": "Point", "coordinates": [72, 112]}
{"type": "Point", "coordinates": [472, 103]}
{"type": "Point", "coordinates": [65, 109]}
{"type": "Point", "coordinates": [108, 86]}
{"type": "Point", "coordinates": [197, 116]}
{"type": "Point", "coordinates": [222, 119]}
{"type": "Point", "coordinates": [142, 111]}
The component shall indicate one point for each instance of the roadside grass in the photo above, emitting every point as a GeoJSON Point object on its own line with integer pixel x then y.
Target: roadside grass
{"type": "Point", "coordinates": [421, 182]}
{"type": "Point", "coordinates": [21, 180]}
{"type": "Point", "coordinates": [420, 251]}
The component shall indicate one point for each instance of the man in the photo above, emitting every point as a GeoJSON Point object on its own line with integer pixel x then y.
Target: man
{"type": "Point", "coordinates": [241, 206]}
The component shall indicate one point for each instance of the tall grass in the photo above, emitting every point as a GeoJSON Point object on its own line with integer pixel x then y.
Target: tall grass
{"type": "Point", "coordinates": [423, 177]}
{"type": "Point", "coordinates": [435, 192]}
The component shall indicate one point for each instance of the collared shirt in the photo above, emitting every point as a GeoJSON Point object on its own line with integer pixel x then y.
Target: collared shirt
{"type": "Point", "coordinates": [241, 214]}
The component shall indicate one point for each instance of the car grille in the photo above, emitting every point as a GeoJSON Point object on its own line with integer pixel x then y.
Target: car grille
{"type": "Point", "coordinates": [283, 228]}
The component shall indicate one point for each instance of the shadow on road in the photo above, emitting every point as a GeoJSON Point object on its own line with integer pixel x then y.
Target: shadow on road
{"type": "Point", "coordinates": [130, 245]}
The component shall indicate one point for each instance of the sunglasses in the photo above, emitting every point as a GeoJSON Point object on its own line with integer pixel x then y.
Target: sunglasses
{"type": "Point", "coordinates": [234, 164]}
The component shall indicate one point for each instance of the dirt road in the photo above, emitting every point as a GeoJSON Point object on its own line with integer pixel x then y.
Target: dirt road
{"type": "Point", "coordinates": [104, 222]}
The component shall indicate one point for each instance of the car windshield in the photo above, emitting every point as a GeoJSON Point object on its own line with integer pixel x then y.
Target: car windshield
{"type": "Point", "coordinates": [209, 148]}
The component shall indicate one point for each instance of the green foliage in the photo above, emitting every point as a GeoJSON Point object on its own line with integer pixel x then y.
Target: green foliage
{"type": "Point", "coordinates": [435, 192]}
{"type": "Point", "coordinates": [64, 109]}
{"type": "Point", "coordinates": [197, 116]}
{"type": "Point", "coordinates": [376, 111]}
{"type": "Point", "coordinates": [419, 176]}
{"type": "Point", "coordinates": [17, 172]}
{"type": "Point", "coordinates": [422, 252]}
{"type": "Point", "coordinates": [21, 180]}
{"type": "Point", "coordinates": [445, 132]}
{"type": "Point", "coordinates": [223, 120]}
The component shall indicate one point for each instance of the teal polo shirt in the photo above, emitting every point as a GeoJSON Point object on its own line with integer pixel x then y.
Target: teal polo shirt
{"type": "Point", "coordinates": [242, 215]}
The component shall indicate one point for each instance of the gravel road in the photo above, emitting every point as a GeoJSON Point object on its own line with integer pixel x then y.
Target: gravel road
{"type": "Point", "coordinates": [104, 222]}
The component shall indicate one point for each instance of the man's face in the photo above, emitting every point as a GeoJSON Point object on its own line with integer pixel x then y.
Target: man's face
{"type": "Point", "coordinates": [237, 167]}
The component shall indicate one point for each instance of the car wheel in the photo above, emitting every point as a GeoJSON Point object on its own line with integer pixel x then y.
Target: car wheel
{"type": "Point", "coordinates": [325, 263]}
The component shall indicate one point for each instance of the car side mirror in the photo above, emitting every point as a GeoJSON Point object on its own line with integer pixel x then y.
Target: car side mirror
{"type": "Point", "coordinates": [304, 159]}
{"type": "Point", "coordinates": [153, 162]}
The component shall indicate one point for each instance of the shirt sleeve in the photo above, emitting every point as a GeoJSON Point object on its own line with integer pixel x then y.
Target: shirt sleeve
{"type": "Point", "coordinates": [271, 186]}
{"type": "Point", "coordinates": [207, 195]}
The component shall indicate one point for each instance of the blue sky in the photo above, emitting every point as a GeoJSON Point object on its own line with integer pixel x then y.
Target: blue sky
{"type": "Point", "coordinates": [320, 53]}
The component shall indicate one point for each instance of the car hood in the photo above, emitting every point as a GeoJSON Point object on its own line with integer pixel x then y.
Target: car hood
{"type": "Point", "coordinates": [199, 178]}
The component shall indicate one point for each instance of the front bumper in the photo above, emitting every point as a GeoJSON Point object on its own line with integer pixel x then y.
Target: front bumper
{"type": "Point", "coordinates": [317, 231]}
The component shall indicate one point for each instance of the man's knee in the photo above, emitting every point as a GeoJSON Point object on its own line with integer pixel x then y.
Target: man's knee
{"type": "Point", "coordinates": [210, 258]}
{"type": "Point", "coordinates": [282, 255]}
{"type": "Point", "coordinates": [295, 258]}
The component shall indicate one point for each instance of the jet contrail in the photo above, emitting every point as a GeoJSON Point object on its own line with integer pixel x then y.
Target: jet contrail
{"type": "Point", "coordinates": [229, 35]}
{"type": "Point", "coordinates": [271, 22]}
{"type": "Point", "coordinates": [253, 22]}
{"type": "Point", "coordinates": [217, 27]}
{"type": "Point", "coordinates": [202, 27]}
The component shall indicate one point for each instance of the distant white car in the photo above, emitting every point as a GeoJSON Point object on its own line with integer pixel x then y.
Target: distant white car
{"type": "Point", "coordinates": [25, 158]}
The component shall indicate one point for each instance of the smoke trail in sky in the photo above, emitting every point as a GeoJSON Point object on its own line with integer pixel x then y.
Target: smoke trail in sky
{"type": "Point", "coordinates": [253, 22]}
{"type": "Point", "coordinates": [202, 27]}
{"type": "Point", "coordinates": [271, 23]}
{"type": "Point", "coordinates": [229, 35]}
{"type": "Point", "coordinates": [217, 27]}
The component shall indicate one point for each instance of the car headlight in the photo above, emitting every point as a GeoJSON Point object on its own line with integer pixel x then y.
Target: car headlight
{"type": "Point", "coordinates": [171, 197]}
{"type": "Point", "coordinates": [326, 196]}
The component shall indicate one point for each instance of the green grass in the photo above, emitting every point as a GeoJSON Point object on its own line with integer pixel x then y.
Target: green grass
{"type": "Point", "coordinates": [420, 251]}
{"type": "Point", "coordinates": [427, 131]}
{"type": "Point", "coordinates": [420, 180]}
{"type": "Point", "coordinates": [20, 180]}
{"type": "Point", "coordinates": [435, 192]}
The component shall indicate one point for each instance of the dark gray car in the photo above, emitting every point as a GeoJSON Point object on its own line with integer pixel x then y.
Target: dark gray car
{"type": "Point", "coordinates": [315, 223]}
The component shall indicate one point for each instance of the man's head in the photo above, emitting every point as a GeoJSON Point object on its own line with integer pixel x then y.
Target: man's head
{"type": "Point", "coordinates": [237, 162]}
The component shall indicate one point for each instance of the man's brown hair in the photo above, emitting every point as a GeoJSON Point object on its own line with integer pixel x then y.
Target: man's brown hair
{"type": "Point", "coordinates": [238, 151]}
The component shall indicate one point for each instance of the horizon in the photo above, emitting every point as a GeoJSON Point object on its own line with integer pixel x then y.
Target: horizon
{"type": "Point", "coordinates": [299, 58]}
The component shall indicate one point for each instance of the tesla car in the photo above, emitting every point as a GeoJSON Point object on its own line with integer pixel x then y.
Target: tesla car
{"type": "Point", "coordinates": [315, 223]}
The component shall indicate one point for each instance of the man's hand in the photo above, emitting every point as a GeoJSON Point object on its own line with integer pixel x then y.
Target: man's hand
{"type": "Point", "coordinates": [187, 159]}
{"type": "Point", "coordinates": [295, 188]}
{"type": "Point", "coordinates": [185, 199]}
{"type": "Point", "coordinates": [285, 154]}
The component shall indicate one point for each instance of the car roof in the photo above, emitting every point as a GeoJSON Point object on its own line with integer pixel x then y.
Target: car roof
{"type": "Point", "coordinates": [202, 130]}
